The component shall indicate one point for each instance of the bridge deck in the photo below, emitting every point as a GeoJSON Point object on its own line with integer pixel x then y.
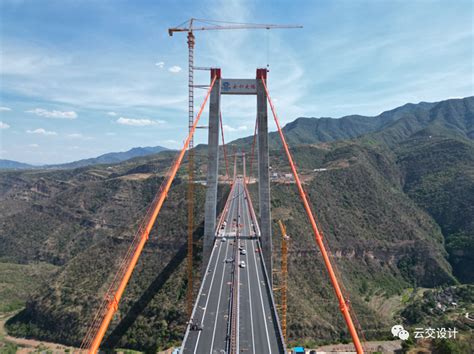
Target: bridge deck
{"type": "Point", "coordinates": [258, 330]}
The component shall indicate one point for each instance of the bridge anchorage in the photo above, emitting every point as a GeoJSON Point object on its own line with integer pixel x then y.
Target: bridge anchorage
{"type": "Point", "coordinates": [234, 310]}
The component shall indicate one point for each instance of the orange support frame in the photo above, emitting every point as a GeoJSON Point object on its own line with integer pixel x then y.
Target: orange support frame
{"type": "Point", "coordinates": [317, 235]}
{"type": "Point", "coordinates": [143, 237]}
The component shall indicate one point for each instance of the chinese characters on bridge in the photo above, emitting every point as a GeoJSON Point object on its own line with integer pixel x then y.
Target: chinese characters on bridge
{"type": "Point", "coordinates": [239, 86]}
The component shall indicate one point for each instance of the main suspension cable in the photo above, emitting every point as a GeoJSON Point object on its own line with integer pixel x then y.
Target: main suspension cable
{"type": "Point", "coordinates": [109, 306]}
{"type": "Point", "coordinates": [343, 305]}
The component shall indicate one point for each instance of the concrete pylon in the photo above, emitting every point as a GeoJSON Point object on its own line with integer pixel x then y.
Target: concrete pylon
{"type": "Point", "coordinates": [212, 167]}
{"type": "Point", "coordinates": [263, 173]}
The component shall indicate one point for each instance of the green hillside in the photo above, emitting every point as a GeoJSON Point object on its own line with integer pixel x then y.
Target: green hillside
{"type": "Point", "coordinates": [455, 116]}
{"type": "Point", "coordinates": [394, 200]}
{"type": "Point", "coordinates": [439, 176]}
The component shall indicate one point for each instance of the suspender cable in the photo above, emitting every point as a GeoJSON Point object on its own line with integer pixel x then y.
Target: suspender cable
{"type": "Point", "coordinates": [253, 149]}
{"type": "Point", "coordinates": [112, 298]}
{"type": "Point", "coordinates": [317, 235]}
{"type": "Point", "coordinates": [223, 147]}
{"type": "Point", "coordinates": [235, 165]}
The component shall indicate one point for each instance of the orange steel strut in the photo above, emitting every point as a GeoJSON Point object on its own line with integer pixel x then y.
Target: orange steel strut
{"type": "Point", "coordinates": [113, 303]}
{"type": "Point", "coordinates": [317, 235]}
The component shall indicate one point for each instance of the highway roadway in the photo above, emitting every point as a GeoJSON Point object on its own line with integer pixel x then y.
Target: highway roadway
{"type": "Point", "coordinates": [233, 295]}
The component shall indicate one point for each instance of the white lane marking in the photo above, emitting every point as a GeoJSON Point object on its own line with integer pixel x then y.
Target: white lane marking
{"type": "Point", "coordinates": [250, 298]}
{"type": "Point", "coordinates": [207, 300]}
{"type": "Point", "coordinates": [237, 268]}
{"type": "Point", "coordinates": [219, 300]}
{"type": "Point", "coordinates": [261, 298]}
{"type": "Point", "coordinates": [212, 281]}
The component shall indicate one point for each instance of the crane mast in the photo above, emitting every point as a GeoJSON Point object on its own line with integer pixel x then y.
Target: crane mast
{"type": "Point", "coordinates": [190, 193]}
{"type": "Point", "coordinates": [284, 276]}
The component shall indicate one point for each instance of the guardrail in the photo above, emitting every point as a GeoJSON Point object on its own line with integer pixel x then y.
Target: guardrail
{"type": "Point", "coordinates": [235, 296]}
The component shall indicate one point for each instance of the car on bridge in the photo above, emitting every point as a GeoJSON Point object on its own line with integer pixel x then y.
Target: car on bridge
{"type": "Point", "coordinates": [194, 326]}
{"type": "Point", "coordinates": [242, 264]}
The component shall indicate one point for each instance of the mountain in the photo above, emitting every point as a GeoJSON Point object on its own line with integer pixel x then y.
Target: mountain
{"type": "Point", "coordinates": [394, 204]}
{"type": "Point", "coordinates": [109, 158]}
{"type": "Point", "coordinates": [14, 165]}
{"type": "Point", "coordinates": [112, 157]}
{"type": "Point", "coordinates": [438, 174]}
{"type": "Point", "coordinates": [453, 116]}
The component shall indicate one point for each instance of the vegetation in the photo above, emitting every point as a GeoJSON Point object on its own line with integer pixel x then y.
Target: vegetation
{"type": "Point", "coordinates": [394, 205]}
{"type": "Point", "coordinates": [18, 281]}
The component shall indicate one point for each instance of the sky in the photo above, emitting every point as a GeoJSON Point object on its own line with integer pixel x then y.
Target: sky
{"type": "Point", "coordinates": [83, 78]}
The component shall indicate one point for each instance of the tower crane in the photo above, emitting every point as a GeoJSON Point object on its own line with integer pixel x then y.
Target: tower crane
{"type": "Point", "coordinates": [190, 26]}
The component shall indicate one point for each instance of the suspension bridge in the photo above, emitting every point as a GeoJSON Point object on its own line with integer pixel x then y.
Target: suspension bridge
{"type": "Point", "coordinates": [234, 310]}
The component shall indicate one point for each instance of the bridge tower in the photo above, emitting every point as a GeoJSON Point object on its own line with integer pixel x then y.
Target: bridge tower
{"type": "Point", "coordinates": [239, 87]}
{"type": "Point", "coordinates": [210, 210]}
{"type": "Point", "coordinates": [263, 173]}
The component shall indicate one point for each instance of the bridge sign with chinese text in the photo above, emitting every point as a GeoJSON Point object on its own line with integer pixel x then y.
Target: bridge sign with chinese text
{"type": "Point", "coordinates": [239, 87]}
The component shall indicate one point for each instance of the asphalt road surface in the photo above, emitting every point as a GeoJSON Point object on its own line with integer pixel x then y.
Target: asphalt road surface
{"type": "Point", "coordinates": [210, 328]}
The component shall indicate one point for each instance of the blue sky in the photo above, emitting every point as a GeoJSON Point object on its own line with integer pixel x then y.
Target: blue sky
{"type": "Point", "coordinates": [82, 78]}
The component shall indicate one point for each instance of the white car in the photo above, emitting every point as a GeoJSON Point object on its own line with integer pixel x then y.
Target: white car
{"type": "Point", "coordinates": [242, 264]}
{"type": "Point", "coordinates": [243, 252]}
{"type": "Point", "coordinates": [223, 239]}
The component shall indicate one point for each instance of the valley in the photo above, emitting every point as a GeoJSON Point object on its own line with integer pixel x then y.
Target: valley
{"type": "Point", "coordinates": [394, 196]}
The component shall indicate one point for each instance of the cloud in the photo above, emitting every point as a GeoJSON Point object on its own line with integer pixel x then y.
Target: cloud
{"type": "Point", "coordinates": [160, 64]}
{"type": "Point", "coordinates": [175, 69]}
{"type": "Point", "coordinates": [4, 125]}
{"type": "Point", "coordinates": [110, 134]}
{"type": "Point", "coordinates": [112, 114]}
{"type": "Point", "coordinates": [138, 122]}
{"type": "Point", "coordinates": [78, 136]}
{"type": "Point", "coordinates": [4, 109]}
{"type": "Point", "coordinates": [53, 114]}
{"type": "Point", "coordinates": [97, 89]}
{"type": "Point", "coordinates": [75, 135]}
{"type": "Point", "coordinates": [41, 131]}
{"type": "Point", "coordinates": [33, 145]}
{"type": "Point", "coordinates": [228, 128]}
